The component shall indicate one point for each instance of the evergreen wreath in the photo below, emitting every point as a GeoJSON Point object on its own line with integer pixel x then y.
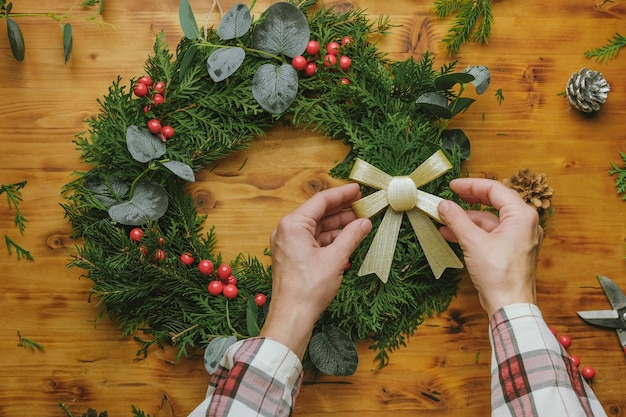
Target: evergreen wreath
{"type": "Point", "coordinates": [220, 90]}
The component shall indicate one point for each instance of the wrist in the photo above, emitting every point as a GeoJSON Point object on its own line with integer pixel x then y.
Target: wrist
{"type": "Point", "coordinates": [289, 327]}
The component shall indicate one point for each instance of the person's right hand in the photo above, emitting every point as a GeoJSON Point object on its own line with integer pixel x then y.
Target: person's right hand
{"type": "Point", "coordinates": [500, 252]}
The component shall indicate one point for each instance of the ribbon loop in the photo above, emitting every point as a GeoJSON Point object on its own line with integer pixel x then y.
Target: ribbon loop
{"type": "Point", "coordinates": [400, 195]}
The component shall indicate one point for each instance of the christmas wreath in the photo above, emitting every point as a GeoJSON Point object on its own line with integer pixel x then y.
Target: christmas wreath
{"type": "Point", "coordinates": [151, 256]}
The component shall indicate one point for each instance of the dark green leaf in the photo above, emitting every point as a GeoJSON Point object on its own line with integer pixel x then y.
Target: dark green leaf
{"type": "Point", "coordinates": [109, 191]}
{"type": "Point", "coordinates": [235, 23]}
{"type": "Point", "coordinates": [275, 88]}
{"type": "Point", "coordinates": [452, 138]}
{"type": "Point", "coordinates": [181, 169]}
{"type": "Point", "coordinates": [333, 352]}
{"type": "Point", "coordinates": [67, 41]}
{"type": "Point", "coordinates": [143, 145]}
{"type": "Point", "coordinates": [482, 78]}
{"type": "Point", "coordinates": [188, 20]}
{"type": "Point", "coordinates": [101, 7]}
{"type": "Point", "coordinates": [148, 203]}
{"type": "Point", "coordinates": [252, 312]}
{"type": "Point", "coordinates": [444, 82]}
{"type": "Point", "coordinates": [461, 104]}
{"type": "Point", "coordinates": [215, 351]}
{"type": "Point", "coordinates": [15, 39]}
{"type": "Point", "coordinates": [186, 61]}
{"type": "Point", "coordinates": [284, 30]}
{"type": "Point", "coordinates": [436, 103]}
{"type": "Point", "coordinates": [223, 62]}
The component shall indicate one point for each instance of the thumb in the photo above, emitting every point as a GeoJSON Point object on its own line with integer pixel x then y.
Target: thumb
{"type": "Point", "coordinates": [351, 236]}
{"type": "Point", "coordinates": [456, 219]}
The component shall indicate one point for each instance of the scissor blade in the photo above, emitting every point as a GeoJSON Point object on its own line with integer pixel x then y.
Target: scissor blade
{"type": "Point", "coordinates": [613, 292]}
{"type": "Point", "coordinates": [603, 318]}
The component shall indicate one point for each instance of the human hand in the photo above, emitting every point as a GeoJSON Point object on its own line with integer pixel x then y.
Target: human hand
{"type": "Point", "coordinates": [310, 248]}
{"type": "Point", "coordinates": [501, 252]}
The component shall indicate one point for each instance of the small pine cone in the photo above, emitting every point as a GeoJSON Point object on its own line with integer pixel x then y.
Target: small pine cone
{"type": "Point", "coordinates": [533, 188]}
{"type": "Point", "coordinates": [587, 90]}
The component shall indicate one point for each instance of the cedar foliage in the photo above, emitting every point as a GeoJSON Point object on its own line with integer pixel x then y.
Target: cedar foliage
{"type": "Point", "coordinates": [375, 115]}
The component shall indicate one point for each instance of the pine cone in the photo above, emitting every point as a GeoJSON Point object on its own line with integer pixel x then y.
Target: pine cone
{"type": "Point", "coordinates": [587, 90]}
{"type": "Point", "coordinates": [533, 188]}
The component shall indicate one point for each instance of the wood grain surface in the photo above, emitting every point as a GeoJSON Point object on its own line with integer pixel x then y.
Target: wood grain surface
{"type": "Point", "coordinates": [534, 48]}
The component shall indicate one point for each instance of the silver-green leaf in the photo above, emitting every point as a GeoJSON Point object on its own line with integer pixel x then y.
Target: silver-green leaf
{"type": "Point", "coordinates": [223, 62]}
{"type": "Point", "coordinates": [435, 102]}
{"type": "Point", "coordinates": [15, 39]}
{"type": "Point", "coordinates": [148, 203]}
{"type": "Point", "coordinates": [235, 23]}
{"type": "Point", "coordinates": [67, 41]}
{"type": "Point", "coordinates": [181, 169]}
{"type": "Point", "coordinates": [333, 352]}
{"type": "Point", "coordinates": [482, 77]}
{"type": "Point", "coordinates": [275, 88]}
{"type": "Point", "coordinates": [109, 190]}
{"type": "Point", "coordinates": [143, 145]}
{"type": "Point", "coordinates": [215, 350]}
{"type": "Point", "coordinates": [284, 30]}
{"type": "Point", "coordinates": [188, 20]}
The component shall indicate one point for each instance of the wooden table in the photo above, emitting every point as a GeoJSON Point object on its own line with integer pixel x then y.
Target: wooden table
{"type": "Point", "coordinates": [534, 48]}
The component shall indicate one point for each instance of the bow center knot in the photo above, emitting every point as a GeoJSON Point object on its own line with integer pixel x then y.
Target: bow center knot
{"type": "Point", "coordinates": [402, 194]}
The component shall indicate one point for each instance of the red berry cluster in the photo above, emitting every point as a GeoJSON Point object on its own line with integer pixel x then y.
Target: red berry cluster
{"type": "Point", "coordinates": [137, 234]}
{"type": "Point", "coordinates": [331, 57]}
{"type": "Point", "coordinates": [586, 371]}
{"type": "Point", "coordinates": [155, 94]}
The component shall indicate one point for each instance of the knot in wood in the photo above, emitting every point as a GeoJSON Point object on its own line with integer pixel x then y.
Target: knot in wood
{"type": "Point", "coordinates": [402, 193]}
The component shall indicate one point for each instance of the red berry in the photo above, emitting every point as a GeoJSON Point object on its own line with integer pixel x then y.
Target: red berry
{"type": "Point", "coordinates": [136, 234]}
{"type": "Point", "coordinates": [154, 126]}
{"type": "Point", "coordinates": [588, 372]}
{"type": "Point", "coordinates": [186, 258]}
{"type": "Point", "coordinates": [565, 341]}
{"type": "Point", "coordinates": [215, 287]}
{"type": "Point", "coordinates": [230, 280]}
{"type": "Point", "coordinates": [205, 267]}
{"type": "Point", "coordinates": [230, 291]}
{"type": "Point", "coordinates": [146, 109]}
{"type": "Point", "coordinates": [161, 240]}
{"type": "Point", "coordinates": [167, 132]}
{"type": "Point", "coordinates": [158, 99]}
{"type": "Point", "coordinates": [553, 330]}
{"type": "Point", "coordinates": [159, 255]}
{"type": "Point", "coordinates": [330, 60]}
{"type": "Point", "coordinates": [140, 90]}
{"type": "Point", "coordinates": [143, 250]}
{"type": "Point", "coordinates": [224, 271]}
{"type": "Point", "coordinates": [145, 80]}
{"type": "Point", "coordinates": [299, 62]}
{"type": "Point", "coordinates": [345, 62]}
{"type": "Point", "coordinates": [346, 40]}
{"type": "Point", "coordinates": [333, 48]}
{"type": "Point", "coordinates": [575, 359]}
{"type": "Point", "coordinates": [311, 69]}
{"type": "Point", "coordinates": [345, 81]}
{"type": "Point", "coordinates": [260, 300]}
{"type": "Point", "coordinates": [313, 48]}
{"type": "Point", "coordinates": [159, 87]}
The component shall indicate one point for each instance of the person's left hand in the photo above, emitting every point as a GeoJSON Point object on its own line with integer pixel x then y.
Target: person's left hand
{"type": "Point", "coordinates": [310, 249]}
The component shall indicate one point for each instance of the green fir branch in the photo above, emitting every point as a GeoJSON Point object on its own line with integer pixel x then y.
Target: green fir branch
{"type": "Point", "coordinates": [27, 343]}
{"type": "Point", "coordinates": [20, 252]}
{"type": "Point", "coordinates": [14, 198]}
{"type": "Point", "coordinates": [499, 96]}
{"type": "Point", "coordinates": [620, 181]}
{"type": "Point", "coordinates": [605, 53]}
{"type": "Point", "coordinates": [472, 22]}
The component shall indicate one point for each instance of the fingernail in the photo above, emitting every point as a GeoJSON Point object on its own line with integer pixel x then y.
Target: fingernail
{"type": "Point", "coordinates": [443, 207]}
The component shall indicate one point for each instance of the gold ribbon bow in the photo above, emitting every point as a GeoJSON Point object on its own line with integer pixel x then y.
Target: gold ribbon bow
{"type": "Point", "coordinates": [401, 194]}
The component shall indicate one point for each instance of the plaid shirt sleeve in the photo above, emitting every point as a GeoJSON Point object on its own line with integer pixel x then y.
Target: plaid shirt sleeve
{"type": "Point", "coordinates": [256, 377]}
{"type": "Point", "coordinates": [531, 373]}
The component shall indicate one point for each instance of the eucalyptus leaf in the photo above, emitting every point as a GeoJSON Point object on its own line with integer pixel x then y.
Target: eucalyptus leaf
{"type": "Point", "coordinates": [461, 104]}
{"type": "Point", "coordinates": [223, 62]}
{"type": "Point", "coordinates": [186, 61]}
{"type": "Point", "coordinates": [148, 203]}
{"type": "Point", "coordinates": [275, 88]}
{"type": "Point", "coordinates": [143, 145]}
{"type": "Point", "coordinates": [67, 41]}
{"type": "Point", "coordinates": [452, 138]}
{"type": "Point", "coordinates": [252, 312]}
{"type": "Point", "coordinates": [188, 20]}
{"type": "Point", "coordinates": [436, 103]}
{"type": "Point", "coordinates": [446, 81]}
{"type": "Point", "coordinates": [283, 30]}
{"type": "Point", "coordinates": [235, 23]}
{"type": "Point", "coordinates": [109, 190]}
{"type": "Point", "coordinates": [482, 77]}
{"type": "Point", "coordinates": [215, 350]}
{"type": "Point", "coordinates": [181, 169]}
{"type": "Point", "coordinates": [15, 39]}
{"type": "Point", "coordinates": [333, 352]}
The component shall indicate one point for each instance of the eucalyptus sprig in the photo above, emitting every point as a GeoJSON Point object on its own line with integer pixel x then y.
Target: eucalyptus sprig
{"type": "Point", "coordinates": [472, 22]}
{"type": "Point", "coordinates": [609, 51]}
{"type": "Point", "coordinates": [16, 39]}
